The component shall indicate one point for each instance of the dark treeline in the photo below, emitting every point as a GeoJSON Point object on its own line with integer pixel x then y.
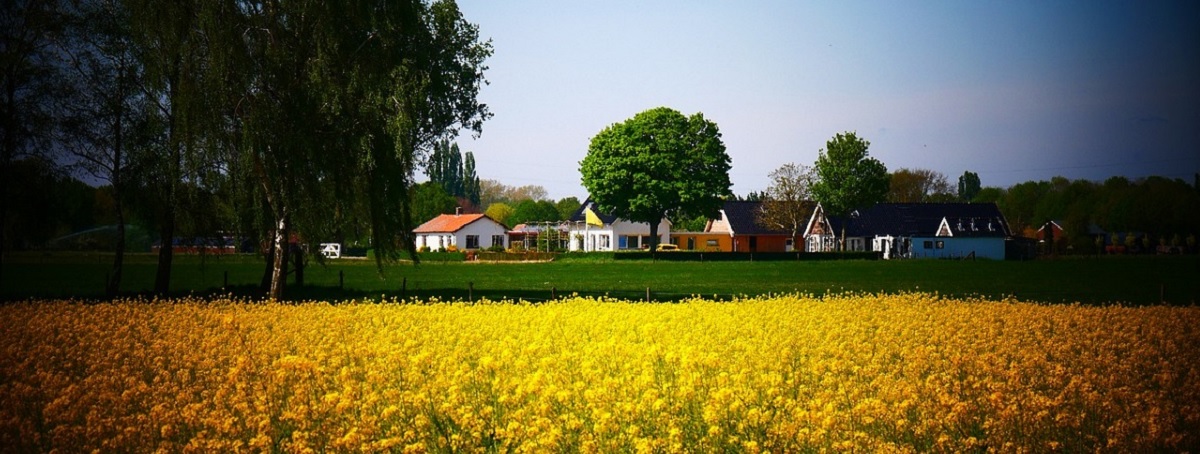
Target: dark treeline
{"type": "Point", "coordinates": [275, 121]}
{"type": "Point", "coordinates": [1156, 211]}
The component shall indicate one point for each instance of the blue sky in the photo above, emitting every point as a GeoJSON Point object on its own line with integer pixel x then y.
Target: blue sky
{"type": "Point", "coordinates": [1012, 90]}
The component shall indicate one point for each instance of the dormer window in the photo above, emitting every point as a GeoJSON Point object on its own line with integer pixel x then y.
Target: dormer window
{"type": "Point", "coordinates": [973, 229]}
{"type": "Point", "coordinates": [960, 225]}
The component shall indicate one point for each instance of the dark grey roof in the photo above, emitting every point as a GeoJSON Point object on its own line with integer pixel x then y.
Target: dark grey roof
{"type": "Point", "coordinates": [743, 218]}
{"type": "Point", "coordinates": [923, 219]}
{"type": "Point", "coordinates": [580, 217]}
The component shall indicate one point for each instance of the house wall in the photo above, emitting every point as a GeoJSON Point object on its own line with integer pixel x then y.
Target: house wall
{"type": "Point", "coordinates": [763, 243]}
{"type": "Point", "coordinates": [608, 237]}
{"type": "Point", "coordinates": [593, 239]}
{"type": "Point", "coordinates": [484, 227]}
{"type": "Point", "coordinates": [989, 247]}
{"type": "Point", "coordinates": [820, 243]}
{"type": "Point", "coordinates": [701, 241]}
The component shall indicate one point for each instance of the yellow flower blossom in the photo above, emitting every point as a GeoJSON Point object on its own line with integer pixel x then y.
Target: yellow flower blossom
{"type": "Point", "coordinates": [869, 373]}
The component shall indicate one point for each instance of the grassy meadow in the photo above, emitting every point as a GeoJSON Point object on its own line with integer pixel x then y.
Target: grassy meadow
{"type": "Point", "coordinates": [1089, 280]}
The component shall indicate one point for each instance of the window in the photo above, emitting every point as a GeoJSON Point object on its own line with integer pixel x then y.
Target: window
{"type": "Point", "coordinates": [712, 243]}
{"type": "Point", "coordinates": [941, 244]}
{"type": "Point", "coordinates": [472, 241]}
{"type": "Point", "coordinates": [498, 240]}
{"type": "Point", "coordinates": [623, 242]}
{"type": "Point", "coordinates": [929, 245]}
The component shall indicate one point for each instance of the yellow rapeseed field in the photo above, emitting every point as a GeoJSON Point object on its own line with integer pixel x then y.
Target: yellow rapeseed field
{"type": "Point", "coordinates": [866, 373]}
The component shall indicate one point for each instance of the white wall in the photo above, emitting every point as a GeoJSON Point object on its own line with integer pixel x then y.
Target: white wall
{"type": "Point", "coordinates": [484, 227]}
{"type": "Point", "coordinates": [607, 238]}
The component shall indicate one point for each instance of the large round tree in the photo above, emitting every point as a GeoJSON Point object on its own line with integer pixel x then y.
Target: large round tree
{"type": "Point", "coordinates": [655, 165]}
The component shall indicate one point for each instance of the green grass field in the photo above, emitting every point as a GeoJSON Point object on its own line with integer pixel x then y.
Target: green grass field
{"type": "Point", "coordinates": [1133, 280]}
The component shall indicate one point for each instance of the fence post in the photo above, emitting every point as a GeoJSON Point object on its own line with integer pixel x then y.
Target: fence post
{"type": "Point", "coordinates": [471, 291]}
{"type": "Point", "coordinates": [404, 288]}
{"type": "Point", "coordinates": [647, 294]}
{"type": "Point", "coordinates": [341, 279]}
{"type": "Point", "coordinates": [553, 293]}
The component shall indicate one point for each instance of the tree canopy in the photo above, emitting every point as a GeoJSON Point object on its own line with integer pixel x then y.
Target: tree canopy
{"type": "Point", "coordinates": [658, 164]}
{"type": "Point", "coordinates": [848, 178]}
{"type": "Point", "coordinates": [968, 186]}
{"type": "Point", "coordinates": [918, 186]}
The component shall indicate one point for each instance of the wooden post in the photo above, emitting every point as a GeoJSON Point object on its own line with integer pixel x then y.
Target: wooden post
{"type": "Point", "coordinates": [647, 294]}
{"type": "Point", "coordinates": [553, 293]}
{"type": "Point", "coordinates": [404, 288]}
{"type": "Point", "coordinates": [341, 279]}
{"type": "Point", "coordinates": [471, 291]}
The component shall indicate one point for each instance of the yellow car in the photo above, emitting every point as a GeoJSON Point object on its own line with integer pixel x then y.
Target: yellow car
{"type": "Point", "coordinates": [666, 248]}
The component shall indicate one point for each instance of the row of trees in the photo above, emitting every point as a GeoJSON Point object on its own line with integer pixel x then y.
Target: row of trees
{"type": "Point", "coordinates": [1156, 208]}
{"type": "Point", "coordinates": [306, 116]}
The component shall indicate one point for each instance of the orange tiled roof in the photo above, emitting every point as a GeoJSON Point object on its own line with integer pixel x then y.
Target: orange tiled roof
{"type": "Point", "coordinates": [448, 223]}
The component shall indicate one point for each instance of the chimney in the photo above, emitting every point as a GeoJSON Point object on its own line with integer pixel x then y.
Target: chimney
{"type": "Point", "coordinates": [458, 211]}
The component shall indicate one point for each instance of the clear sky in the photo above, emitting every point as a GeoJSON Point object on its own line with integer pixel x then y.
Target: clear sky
{"type": "Point", "coordinates": [1012, 90]}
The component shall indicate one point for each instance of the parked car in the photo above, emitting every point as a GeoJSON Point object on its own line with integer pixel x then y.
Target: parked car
{"type": "Point", "coordinates": [666, 247]}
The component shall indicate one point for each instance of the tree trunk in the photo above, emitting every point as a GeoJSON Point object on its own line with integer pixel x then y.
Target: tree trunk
{"type": "Point", "coordinates": [842, 243]}
{"type": "Point", "coordinates": [268, 267]}
{"type": "Point", "coordinates": [166, 254]}
{"type": "Point", "coordinates": [278, 278]}
{"type": "Point", "coordinates": [298, 260]}
{"type": "Point", "coordinates": [114, 280]}
{"type": "Point", "coordinates": [162, 278]}
{"type": "Point", "coordinates": [8, 152]}
{"type": "Point", "coordinates": [654, 237]}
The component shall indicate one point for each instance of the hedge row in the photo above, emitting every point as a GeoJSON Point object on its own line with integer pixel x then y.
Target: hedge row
{"type": "Point", "coordinates": [696, 256]}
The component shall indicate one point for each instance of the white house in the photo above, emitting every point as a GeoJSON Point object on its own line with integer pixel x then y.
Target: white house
{"type": "Point", "coordinates": [463, 231]}
{"type": "Point", "coordinates": [591, 230]}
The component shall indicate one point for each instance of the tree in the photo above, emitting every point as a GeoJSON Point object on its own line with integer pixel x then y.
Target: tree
{"type": "Point", "coordinates": [429, 200]}
{"type": "Point", "coordinates": [28, 87]}
{"type": "Point", "coordinates": [968, 186]}
{"type": "Point", "coordinates": [528, 211]}
{"type": "Point", "coordinates": [658, 164]}
{"type": "Point", "coordinates": [787, 203]}
{"type": "Point", "coordinates": [918, 186]}
{"type": "Point", "coordinates": [566, 207]}
{"type": "Point", "coordinates": [500, 212]}
{"type": "Point", "coordinates": [848, 178]}
{"type": "Point", "coordinates": [334, 102]}
{"type": "Point", "coordinates": [470, 180]}
{"type": "Point", "coordinates": [107, 108]}
{"type": "Point", "coordinates": [446, 167]}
